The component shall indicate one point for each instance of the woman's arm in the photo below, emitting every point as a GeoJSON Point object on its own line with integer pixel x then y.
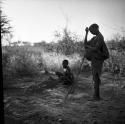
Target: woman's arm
{"type": "Point", "coordinates": [86, 35]}
{"type": "Point", "coordinates": [98, 45]}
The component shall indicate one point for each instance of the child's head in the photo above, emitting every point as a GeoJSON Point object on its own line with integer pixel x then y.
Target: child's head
{"type": "Point", "coordinates": [94, 29]}
{"type": "Point", "coordinates": [65, 63]}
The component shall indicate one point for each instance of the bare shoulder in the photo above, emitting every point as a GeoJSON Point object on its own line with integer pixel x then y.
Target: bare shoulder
{"type": "Point", "coordinates": [100, 39]}
{"type": "Point", "coordinates": [100, 36]}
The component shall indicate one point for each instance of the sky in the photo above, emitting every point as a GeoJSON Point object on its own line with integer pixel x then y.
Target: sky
{"type": "Point", "coordinates": [37, 20]}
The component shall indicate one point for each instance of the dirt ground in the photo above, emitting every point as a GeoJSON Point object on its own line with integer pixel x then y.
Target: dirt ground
{"type": "Point", "coordinates": [40, 100]}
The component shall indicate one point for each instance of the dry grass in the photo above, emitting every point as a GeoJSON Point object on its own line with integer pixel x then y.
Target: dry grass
{"type": "Point", "coordinates": [33, 59]}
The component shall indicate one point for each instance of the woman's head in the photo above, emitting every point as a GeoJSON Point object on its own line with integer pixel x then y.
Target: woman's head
{"type": "Point", "coordinates": [94, 29]}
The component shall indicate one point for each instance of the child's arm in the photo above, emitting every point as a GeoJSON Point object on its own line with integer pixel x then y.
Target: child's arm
{"type": "Point", "coordinates": [59, 74]}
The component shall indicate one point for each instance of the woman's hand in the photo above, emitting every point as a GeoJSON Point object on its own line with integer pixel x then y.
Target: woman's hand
{"type": "Point", "coordinates": [87, 29]}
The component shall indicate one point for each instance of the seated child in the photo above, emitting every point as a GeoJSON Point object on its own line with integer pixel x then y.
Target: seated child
{"type": "Point", "coordinates": [66, 77]}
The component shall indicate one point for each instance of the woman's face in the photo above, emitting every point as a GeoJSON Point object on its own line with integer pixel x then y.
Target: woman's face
{"type": "Point", "coordinates": [93, 31]}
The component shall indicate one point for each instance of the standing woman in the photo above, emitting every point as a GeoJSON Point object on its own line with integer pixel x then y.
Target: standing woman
{"type": "Point", "coordinates": [96, 51]}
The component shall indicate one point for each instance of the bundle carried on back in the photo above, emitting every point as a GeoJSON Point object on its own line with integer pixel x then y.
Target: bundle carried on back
{"type": "Point", "coordinates": [100, 53]}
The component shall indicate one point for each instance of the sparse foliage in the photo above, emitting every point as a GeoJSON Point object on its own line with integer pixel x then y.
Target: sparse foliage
{"type": "Point", "coordinates": [6, 29]}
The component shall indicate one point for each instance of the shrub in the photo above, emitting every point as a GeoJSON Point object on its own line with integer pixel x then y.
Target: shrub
{"type": "Point", "coordinates": [116, 59]}
{"type": "Point", "coordinates": [5, 58]}
{"type": "Point", "coordinates": [20, 63]}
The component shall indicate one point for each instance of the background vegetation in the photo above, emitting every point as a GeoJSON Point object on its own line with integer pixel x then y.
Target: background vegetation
{"type": "Point", "coordinates": [29, 60]}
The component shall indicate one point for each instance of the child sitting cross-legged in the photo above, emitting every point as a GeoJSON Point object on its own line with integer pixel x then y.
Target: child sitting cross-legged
{"type": "Point", "coordinates": [66, 77]}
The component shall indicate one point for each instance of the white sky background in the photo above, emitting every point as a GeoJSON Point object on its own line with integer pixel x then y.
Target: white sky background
{"type": "Point", "coordinates": [36, 20]}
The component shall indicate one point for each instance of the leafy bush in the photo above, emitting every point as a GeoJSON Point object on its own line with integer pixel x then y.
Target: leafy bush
{"type": "Point", "coordinates": [67, 44]}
